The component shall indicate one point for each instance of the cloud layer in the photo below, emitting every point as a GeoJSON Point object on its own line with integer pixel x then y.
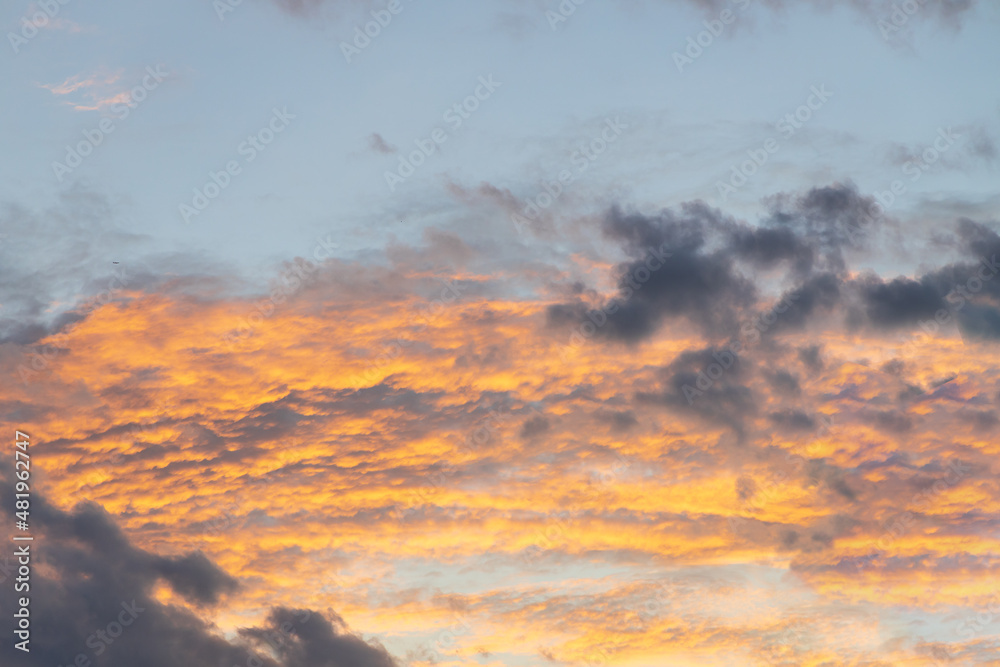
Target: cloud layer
{"type": "Point", "coordinates": [435, 454]}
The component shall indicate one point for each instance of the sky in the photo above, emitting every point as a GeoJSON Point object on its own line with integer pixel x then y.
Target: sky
{"type": "Point", "coordinates": [389, 333]}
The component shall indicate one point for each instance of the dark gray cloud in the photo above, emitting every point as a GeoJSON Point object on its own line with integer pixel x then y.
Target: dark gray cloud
{"type": "Point", "coordinates": [980, 322]}
{"type": "Point", "coordinates": [901, 301]}
{"type": "Point", "coordinates": [792, 420]}
{"type": "Point", "coordinates": [816, 295]}
{"type": "Point", "coordinates": [91, 594]}
{"type": "Point", "coordinates": [314, 641]}
{"type": "Point", "coordinates": [675, 272]}
{"type": "Point", "coordinates": [725, 401]}
{"type": "Point", "coordinates": [967, 293]}
{"type": "Point", "coordinates": [535, 426]}
{"type": "Point", "coordinates": [516, 17]}
{"type": "Point", "coordinates": [829, 218]}
{"type": "Point", "coordinates": [950, 12]}
{"type": "Point", "coordinates": [711, 264]}
{"type": "Point", "coordinates": [811, 357]}
{"type": "Point", "coordinates": [704, 266]}
{"type": "Point", "coordinates": [620, 421]}
{"type": "Point", "coordinates": [784, 383]}
{"type": "Point", "coordinates": [891, 422]}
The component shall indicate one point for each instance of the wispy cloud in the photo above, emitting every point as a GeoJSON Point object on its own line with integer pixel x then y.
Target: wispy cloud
{"type": "Point", "coordinates": [100, 90]}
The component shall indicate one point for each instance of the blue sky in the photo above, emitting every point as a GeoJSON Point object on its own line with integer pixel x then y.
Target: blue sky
{"type": "Point", "coordinates": [557, 87]}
